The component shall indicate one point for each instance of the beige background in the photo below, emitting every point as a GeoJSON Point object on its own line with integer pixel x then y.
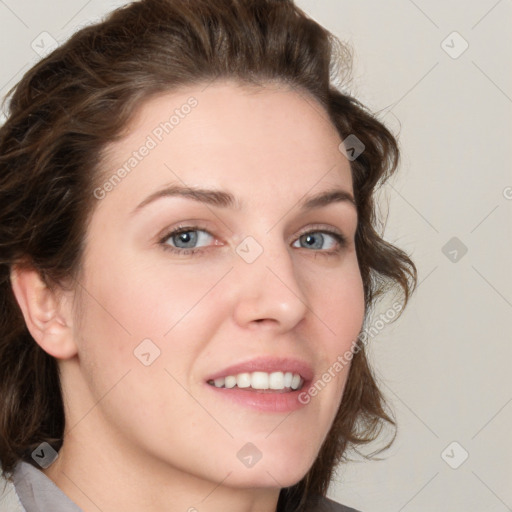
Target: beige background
{"type": "Point", "coordinates": [445, 365]}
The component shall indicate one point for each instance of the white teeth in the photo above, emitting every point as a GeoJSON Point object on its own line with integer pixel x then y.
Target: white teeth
{"type": "Point", "coordinates": [296, 382]}
{"type": "Point", "coordinates": [260, 380]}
{"type": "Point", "coordinates": [276, 380]}
{"type": "Point", "coordinates": [230, 381]}
{"type": "Point", "coordinates": [243, 380]}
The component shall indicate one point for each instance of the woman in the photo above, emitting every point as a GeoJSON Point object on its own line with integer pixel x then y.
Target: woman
{"type": "Point", "coordinates": [188, 259]}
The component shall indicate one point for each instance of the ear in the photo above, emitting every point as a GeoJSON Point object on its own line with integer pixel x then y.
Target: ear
{"type": "Point", "coordinates": [47, 314]}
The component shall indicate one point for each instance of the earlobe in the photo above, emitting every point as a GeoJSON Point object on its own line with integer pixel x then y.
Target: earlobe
{"type": "Point", "coordinates": [47, 315]}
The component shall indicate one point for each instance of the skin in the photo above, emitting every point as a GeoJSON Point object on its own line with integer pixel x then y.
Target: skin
{"type": "Point", "coordinates": [154, 438]}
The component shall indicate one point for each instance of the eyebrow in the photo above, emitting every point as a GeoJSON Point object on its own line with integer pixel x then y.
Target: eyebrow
{"type": "Point", "coordinates": [225, 199]}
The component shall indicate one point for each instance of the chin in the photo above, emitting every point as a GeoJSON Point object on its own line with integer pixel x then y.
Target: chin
{"type": "Point", "coordinates": [272, 472]}
{"type": "Point", "coordinates": [262, 479]}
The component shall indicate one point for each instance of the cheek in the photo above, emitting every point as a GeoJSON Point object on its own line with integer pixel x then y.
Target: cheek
{"type": "Point", "coordinates": [339, 300]}
{"type": "Point", "coordinates": [130, 319]}
{"type": "Point", "coordinates": [131, 300]}
{"type": "Point", "coordinates": [131, 309]}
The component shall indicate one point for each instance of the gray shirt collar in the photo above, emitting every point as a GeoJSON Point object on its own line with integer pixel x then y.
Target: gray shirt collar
{"type": "Point", "coordinates": [37, 493]}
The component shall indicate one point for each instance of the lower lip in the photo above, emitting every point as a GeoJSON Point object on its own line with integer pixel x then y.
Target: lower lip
{"type": "Point", "coordinates": [262, 401]}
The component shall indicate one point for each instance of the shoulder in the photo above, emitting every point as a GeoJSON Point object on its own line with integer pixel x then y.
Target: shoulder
{"type": "Point", "coordinates": [324, 504]}
{"type": "Point", "coordinates": [9, 500]}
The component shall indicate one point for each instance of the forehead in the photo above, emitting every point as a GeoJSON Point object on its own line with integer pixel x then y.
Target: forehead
{"type": "Point", "coordinates": [246, 139]}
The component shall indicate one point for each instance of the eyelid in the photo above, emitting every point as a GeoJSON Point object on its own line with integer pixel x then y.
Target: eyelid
{"type": "Point", "coordinates": [320, 227]}
{"type": "Point", "coordinates": [191, 225]}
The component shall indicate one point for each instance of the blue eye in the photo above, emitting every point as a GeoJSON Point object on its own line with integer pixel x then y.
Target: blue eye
{"type": "Point", "coordinates": [315, 239]}
{"type": "Point", "coordinates": [184, 239]}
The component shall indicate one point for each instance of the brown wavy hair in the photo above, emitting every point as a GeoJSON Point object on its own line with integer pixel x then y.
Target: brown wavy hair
{"type": "Point", "coordinates": [78, 99]}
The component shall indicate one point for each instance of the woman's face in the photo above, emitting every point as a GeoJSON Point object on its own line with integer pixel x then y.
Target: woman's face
{"type": "Point", "coordinates": [256, 284]}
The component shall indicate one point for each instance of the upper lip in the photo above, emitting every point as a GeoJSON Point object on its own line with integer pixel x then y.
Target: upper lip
{"type": "Point", "coordinates": [269, 365]}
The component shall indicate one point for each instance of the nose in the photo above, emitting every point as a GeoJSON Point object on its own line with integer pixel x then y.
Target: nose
{"type": "Point", "coordinates": [268, 292]}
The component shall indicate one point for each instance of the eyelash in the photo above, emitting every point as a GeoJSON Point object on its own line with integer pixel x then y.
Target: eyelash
{"type": "Point", "coordinates": [340, 239]}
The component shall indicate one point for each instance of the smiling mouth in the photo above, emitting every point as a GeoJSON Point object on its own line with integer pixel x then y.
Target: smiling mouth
{"type": "Point", "coordinates": [263, 382]}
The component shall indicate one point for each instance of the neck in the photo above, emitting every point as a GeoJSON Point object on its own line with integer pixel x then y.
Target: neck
{"type": "Point", "coordinates": [98, 475]}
